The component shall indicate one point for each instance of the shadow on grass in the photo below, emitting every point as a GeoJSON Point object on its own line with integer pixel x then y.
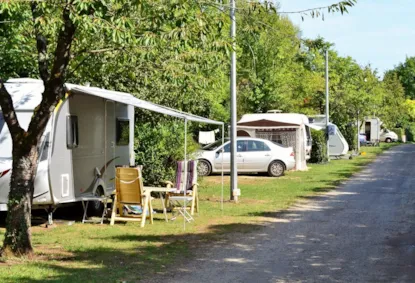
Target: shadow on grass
{"type": "Point", "coordinates": [111, 264]}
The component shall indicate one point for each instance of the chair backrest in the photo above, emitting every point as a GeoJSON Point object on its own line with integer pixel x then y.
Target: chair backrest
{"type": "Point", "coordinates": [186, 180]}
{"type": "Point", "coordinates": [129, 185]}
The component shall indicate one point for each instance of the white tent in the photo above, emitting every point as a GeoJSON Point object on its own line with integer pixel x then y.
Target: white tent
{"type": "Point", "coordinates": [289, 129]}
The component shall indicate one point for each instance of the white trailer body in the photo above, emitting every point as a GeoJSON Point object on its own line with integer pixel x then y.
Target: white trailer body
{"type": "Point", "coordinates": [289, 129]}
{"type": "Point", "coordinates": [371, 128]}
{"type": "Point", "coordinates": [86, 137]}
{"type": "Point", "coordinates": [338, 145]}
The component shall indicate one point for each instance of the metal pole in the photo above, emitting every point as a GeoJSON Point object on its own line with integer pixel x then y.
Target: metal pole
{"type": "Point", "coordinates": [358, 133]}
{"type": "Point", "coordinates": [234, 172]}
{"type": "Point", "coordinates": [327, 104]}
{"type": "Point", "coordinates": [223, 142]}
{"type": "Point", "coordinates": [185, 172]}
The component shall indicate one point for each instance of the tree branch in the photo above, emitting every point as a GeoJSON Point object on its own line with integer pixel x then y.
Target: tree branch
{"type": "Point", "coordinates": [41, 45]}
{"type": "Point", "coordinates": [9, 112]}
{"type": "Point", "coordinates": [54, 87]}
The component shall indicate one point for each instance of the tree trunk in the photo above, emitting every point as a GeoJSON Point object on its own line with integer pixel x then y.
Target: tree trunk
{"type": "Point", "coordinates": [18, 238]}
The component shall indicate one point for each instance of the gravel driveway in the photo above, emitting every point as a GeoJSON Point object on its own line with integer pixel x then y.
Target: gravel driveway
{"type": "Point", "coordinates": [362, 232]}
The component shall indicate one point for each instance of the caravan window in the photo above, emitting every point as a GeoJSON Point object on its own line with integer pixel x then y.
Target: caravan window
{"type": "Point", "coordinates": [44, 148]}
{"type": "Point", "coordinates": [72, 138]}
{"type": "Point", "coordinates": [123, 131]}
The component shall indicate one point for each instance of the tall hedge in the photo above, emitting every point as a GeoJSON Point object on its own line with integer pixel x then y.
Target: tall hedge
{"type": "Point", "coordinates": [319, 150]}
{"type": "Point", "coordinates": [410, 132]}
{"type": "Point", "coordinates": [400, 132]}
{"type": "Point", "coordinates": [350, 134]}
{"type": "Point", "coordinates": [158, 145]}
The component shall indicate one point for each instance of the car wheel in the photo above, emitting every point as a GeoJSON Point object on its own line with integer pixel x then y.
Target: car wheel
{"type": "Point", "coordinates": [388, 140]}
{"type": "Point", "coordinates": [276, 169]}
{"type": "Point", "coordinates": [204, 168]}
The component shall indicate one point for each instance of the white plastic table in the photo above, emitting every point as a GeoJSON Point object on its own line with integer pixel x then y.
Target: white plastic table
{"type": "Point", "coordinates": [160, 191]}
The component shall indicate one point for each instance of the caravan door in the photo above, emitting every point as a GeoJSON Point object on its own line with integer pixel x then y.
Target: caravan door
{"type": "Point", "coordinates": [110, 119]}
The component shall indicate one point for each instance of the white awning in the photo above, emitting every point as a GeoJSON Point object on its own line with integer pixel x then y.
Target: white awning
{"type": "Point", "coordinates": [273, 119]}
{"type": "Point", "coordinates": [27, 94]}
{"type": "Point", "coordinates": [129, 99]}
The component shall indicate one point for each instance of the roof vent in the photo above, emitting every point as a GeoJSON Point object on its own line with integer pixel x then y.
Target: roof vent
{"type": "Point", "coordinates": [274, 111]}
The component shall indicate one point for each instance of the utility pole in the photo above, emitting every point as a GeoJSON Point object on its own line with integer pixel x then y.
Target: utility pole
{"type": "Point", "coordinates": [234, 172]}
{"type": "Point", "coordinates": [358, 133]}
{"type": "Point", "coordinates": [327, 104]}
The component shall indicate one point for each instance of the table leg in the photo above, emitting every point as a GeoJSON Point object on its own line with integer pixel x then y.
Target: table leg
{"type": "Point", "coordinates": [145, 210]}
{"type": "Point", "coordinates": [85, 210]}
{"type": "Point", "coordinates": [105, 202]}
{"type": "Point", "coordinates": [164, 206]}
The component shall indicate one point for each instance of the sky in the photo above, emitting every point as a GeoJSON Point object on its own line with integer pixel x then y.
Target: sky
{"type": "Point", "coordinates": [379, 32]}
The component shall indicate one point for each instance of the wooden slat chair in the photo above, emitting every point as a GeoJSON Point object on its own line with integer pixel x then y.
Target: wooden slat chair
{"type": "Point", "coordinates": [186, 190]}
{"type": "Point", "coordinates": [129, 191]}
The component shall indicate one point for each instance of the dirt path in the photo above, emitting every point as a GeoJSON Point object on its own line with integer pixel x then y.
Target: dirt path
{"type": "Point", "coordinates": [362, 232]}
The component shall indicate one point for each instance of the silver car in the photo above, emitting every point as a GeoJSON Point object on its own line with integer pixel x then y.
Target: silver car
{"type": "Point", "coordinates": [253, 155]}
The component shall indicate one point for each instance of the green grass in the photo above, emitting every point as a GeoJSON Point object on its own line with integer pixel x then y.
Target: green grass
{"type": "Point", "coordinates": [125, 252]}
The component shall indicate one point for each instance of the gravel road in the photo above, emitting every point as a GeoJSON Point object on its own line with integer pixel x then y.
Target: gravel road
{"type": "Point", "coordinates": [362, 232]}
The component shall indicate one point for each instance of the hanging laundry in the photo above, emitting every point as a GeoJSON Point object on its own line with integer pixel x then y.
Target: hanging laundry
{"type": "Point", "coordinates": [206, 137]}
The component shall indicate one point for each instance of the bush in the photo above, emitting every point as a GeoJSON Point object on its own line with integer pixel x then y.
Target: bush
{"type": "Point", "coordinates": [350, 134]}
{"type": "Point", "coordinates": [410, 132]}
{"type": "Point", "coordinates": [319, 150]}
{"type": "Point", "coordinates": [400, 132]}
{"type": "Point", "coordinates": [158, 146]}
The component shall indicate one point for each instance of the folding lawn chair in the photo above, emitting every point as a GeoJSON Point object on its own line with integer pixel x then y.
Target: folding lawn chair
{"type": "Point", "coordinates": [129, 192]}
{"type": "Point", "coordinates": [186, 190]}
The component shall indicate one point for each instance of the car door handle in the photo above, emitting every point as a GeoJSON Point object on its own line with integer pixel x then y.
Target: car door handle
{"type": "Point", "coordinates": [238, 155]}
{"type": "Point", "coordinates": [267, 154]}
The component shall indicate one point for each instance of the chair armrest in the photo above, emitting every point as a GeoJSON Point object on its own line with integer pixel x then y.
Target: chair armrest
{"type": "Point", "coordinates": [168, 183]}
{"type": "Point", "coordinates": [195, 184]}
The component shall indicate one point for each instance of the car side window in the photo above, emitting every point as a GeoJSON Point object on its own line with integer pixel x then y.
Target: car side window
{"type": "Point", "coordinates": [227, 148]}
{"type": "Point", "coordinates": [257, 146]}
{"type": "Point", "coordinates": [240, 145]}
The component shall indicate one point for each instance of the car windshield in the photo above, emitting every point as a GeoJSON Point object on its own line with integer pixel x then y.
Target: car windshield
{"type": "Point", "coordinates": [214, 145]}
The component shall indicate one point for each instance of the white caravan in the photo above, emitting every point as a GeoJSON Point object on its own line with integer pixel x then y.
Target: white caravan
{"type": "Point", "coordinates": [338, 145]}
{"type": "Point", "coordinates": [289, 129]}
{"type": "Point", "coordinates": [85, 137]}
{"type": "Point", "coordinates": [90, 132]}
{"type": "Point", "coordinates": [371, 128]}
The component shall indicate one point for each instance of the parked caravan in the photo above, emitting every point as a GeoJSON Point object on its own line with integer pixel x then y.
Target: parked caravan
{"type": "Point", "coordinates": [85, 137]}
{"type": "Point", "coordinates": [90, 132]}
{"type": "Point", "coordinates": [371, 128]}
{"type": "Point", "coordinates": [338, 145]}
{"type": "Point", "coordinates": [289, 129]}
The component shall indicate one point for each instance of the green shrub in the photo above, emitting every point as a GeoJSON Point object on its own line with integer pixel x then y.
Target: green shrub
{"type": "Point", "coordinates": [400, 132]}
{"type": "Point", "coordinates": [350, 134]}
{"type": "Point", "coordinates": [158, 145]}
{"type": "Point", "coordinates": [319, 150]}
{"type": "Point", "coordinates": [410, 132]}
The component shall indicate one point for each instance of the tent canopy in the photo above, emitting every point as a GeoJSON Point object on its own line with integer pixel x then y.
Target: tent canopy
{"type": "Point", "coordinates": [273, 120]}
{"type": "Point", "coordinates": [27, 94]}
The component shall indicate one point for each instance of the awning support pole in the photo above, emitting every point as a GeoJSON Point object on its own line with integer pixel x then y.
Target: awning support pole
{"type": "Point", "coordinates": [223, 142]}
{"type": "Point", "coordinates": [185, 172]}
